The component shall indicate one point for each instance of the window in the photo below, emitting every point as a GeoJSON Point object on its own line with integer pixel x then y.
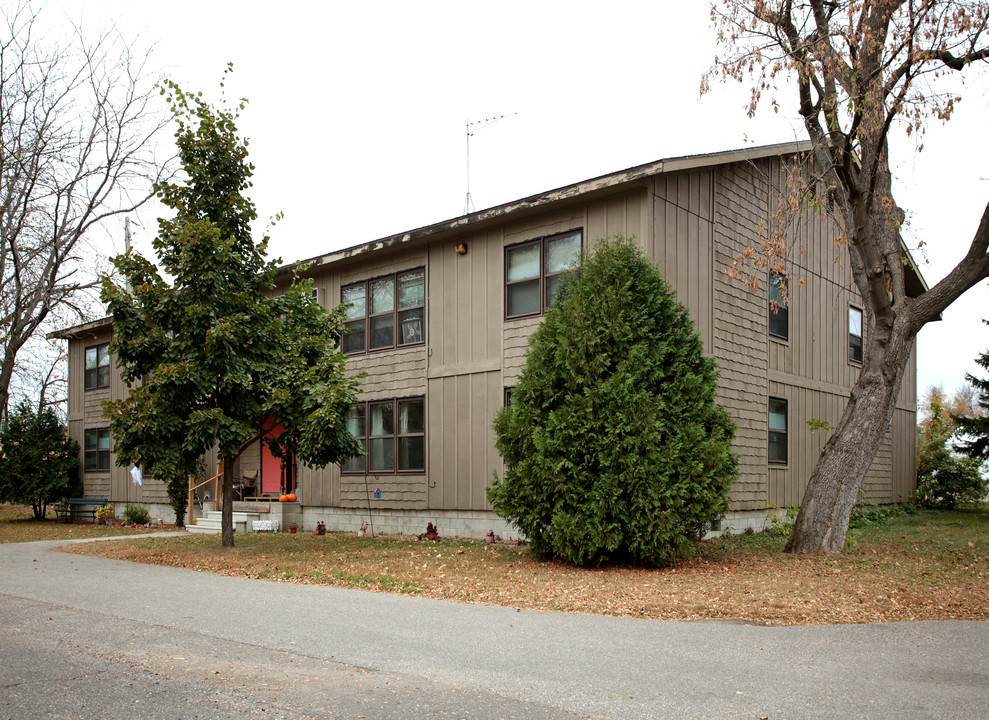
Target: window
{"type": "Point", "coordinates": [386, 312]}
{"type": "Point", "coordinates": [779, 314]}
{"type": "Point", "coordinates": [97, 367]}
{"type": "Point", "coordinates": [777, 431]}
{"type": "Point", "coordinates": [509, 391]}
{"type": "Point", "coordinates": [854, 334]}
{"type": "Point", "coordinates": [533, 271]}
{"type": "Point", "coordinates": [97, 450]}
{"type": "Point", "coordinates": [393, 433]}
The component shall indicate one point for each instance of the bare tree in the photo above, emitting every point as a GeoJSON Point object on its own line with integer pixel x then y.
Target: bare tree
{"type": "Point", "coordinates": [860, 70]}
{"type": "Point", "coordinates": [76, 130]}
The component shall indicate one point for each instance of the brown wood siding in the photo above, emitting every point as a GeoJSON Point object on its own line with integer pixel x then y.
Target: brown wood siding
{"type": "Point", "coordinates": [904, 455]}
{"type": "Point", "coordinates": [682, 243]}
{"type": "Point", "coordinates": [85, 412]}
{"type": "Point", "coordinates": [461, 445]}
{"type": "Point", "coordinates": [391, 373]}
{"type": "Point", "coordinates": [619, 215]}
{"type": "Point", "coordinates": [692, 224]}
{"type": "Point", "coordinates": [464, 306]}
{"type": "Point", "coordinates": [740, 327]}
{"type": "Point", "coordinates": [812, 371]}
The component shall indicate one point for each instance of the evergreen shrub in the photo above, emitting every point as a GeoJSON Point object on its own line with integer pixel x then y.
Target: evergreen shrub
{"type": "Point", "coordinates": [614, 446]}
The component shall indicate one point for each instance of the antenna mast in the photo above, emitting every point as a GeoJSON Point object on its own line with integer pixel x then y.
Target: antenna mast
{"type": "Point", "coordinates": [476, 125]}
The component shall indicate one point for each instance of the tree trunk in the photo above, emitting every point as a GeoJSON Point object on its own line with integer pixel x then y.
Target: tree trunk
{"type": "Point", "coordinates": [833, 488]}
{"type": "Point", "coordinates": [227, 510]}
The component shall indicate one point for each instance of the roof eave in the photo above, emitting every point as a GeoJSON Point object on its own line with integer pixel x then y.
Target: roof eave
{"type": "Point", "coordinates": [604, 183]}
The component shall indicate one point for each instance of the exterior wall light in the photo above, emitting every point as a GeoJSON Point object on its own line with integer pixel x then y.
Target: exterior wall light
{"type": "Point", "coordinates": [461, 248]}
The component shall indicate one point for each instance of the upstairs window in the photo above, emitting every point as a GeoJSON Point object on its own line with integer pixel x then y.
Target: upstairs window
{"type": "Point", "coordinates": [96, 445]}
{"type": "Point", "coordinates": [393, 433]}
{"type": "Point", "coordinates": [854, 334]}
{"type": "Point", "coordinates": [777, 431]}
{"type": "Point", "coordinates": [385, 312]}
{"type": "Point", "coordinates": [97, 367]}
{"type": "Point", "coordinates": [779, 314]}
{"type": "Point", "coordinates": [533, 271]}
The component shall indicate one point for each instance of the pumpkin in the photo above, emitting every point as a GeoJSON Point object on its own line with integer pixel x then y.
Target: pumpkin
{"type": "Point", "coordinates": [291, 497]}
{"type": "Point", "coordinates": [283, 498]}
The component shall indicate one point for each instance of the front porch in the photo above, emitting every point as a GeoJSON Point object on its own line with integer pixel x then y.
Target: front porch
{"type": "Point", "coordinates": [251, 512]}
{"type": "Point", "coordinates": [248, 512]}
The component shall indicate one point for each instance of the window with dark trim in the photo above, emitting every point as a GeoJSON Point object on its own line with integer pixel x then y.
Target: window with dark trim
{"type": "Point", "coordinates": [385, 312]}
{"type": "Point", "coordinates": [777, 431]}
{"type": "Point", "coordinates": [779, 313]}
{"type": "Point", "coordinates": [96, 454]}
{"type": "Point", "coordinates": [534, 269]}
{"type": "Point", "coordinates": [393, 433]}
{"type": "Point", "coordinates": [509, 391]}
{"type": "Point", "coordinates": [97, 367]}
{"type": "Point", "coordinates": [854, 334]}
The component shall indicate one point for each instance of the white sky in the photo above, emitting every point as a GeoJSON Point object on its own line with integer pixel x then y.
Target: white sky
{"type": "Point", "coordinates": [358, 109]}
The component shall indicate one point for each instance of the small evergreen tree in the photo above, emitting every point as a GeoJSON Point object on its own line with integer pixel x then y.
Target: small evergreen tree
{"type": "Point", "coordinates": [36, 459]}
{"type": "Point", "coordinates": [614, 446]}
{"type": "Point", "coordinates": [976, 427]}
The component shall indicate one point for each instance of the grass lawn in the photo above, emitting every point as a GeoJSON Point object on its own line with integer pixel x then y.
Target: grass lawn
{"type": "Point", "coordinates": [17, 524]}
{"type": "Point", "coordinates": [926, 566]}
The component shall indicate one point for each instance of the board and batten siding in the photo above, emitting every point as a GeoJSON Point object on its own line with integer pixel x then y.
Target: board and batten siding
{"type": "Point", "coordinates": [85, 412]}
{"type": "Point", "coordinates": [390, 374]}
{"type": "Point", "coordinates": [811, 369]}
{"type": "Point", "coordinates": [681, 243]}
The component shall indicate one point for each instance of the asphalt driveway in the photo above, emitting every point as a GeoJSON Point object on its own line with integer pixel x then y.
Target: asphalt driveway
{"type": "Point", "coordinates": [85, 637]}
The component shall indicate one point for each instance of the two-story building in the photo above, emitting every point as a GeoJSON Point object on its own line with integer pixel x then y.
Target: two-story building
{"type": "Point", "coordinates": [440, 319]}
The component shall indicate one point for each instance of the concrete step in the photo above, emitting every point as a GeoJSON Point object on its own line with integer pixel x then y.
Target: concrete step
{"type": "Point", "coordinates": [212, 523]}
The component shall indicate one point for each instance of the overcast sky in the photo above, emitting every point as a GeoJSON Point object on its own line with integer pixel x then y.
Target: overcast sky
{"type": "Point", "coordinates": [358, 112]}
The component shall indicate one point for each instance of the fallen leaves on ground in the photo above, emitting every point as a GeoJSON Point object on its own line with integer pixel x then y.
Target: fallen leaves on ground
{"type": "Point", "coordinates": [928, 566]}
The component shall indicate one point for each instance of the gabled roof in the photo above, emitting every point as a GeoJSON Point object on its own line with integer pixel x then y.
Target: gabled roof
{"type": "Point", "coordinates": [586, 188]}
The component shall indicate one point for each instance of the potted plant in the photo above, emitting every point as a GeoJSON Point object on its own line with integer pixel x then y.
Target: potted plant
{"type": "Point", "coordinates": [293, 528]}
{"type": "Point", "coordinates": [431, 532]}
{"type": "Point", "coordinates": [490, 537]}
{"type": "Point", "coordinates": [105, 514]}
{"type": "Point", "coordinates": [320, 527]}
{"type": "Point", "coordinates": [363, 531]}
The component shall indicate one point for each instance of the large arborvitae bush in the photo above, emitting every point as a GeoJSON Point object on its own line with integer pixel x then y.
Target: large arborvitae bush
{"type": "Point", "coordinates": [614, 446]}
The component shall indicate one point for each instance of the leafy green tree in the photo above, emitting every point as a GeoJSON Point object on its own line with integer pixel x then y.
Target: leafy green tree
{"type": "Point", "coordinates": [210, 352]}
{"type": "Point", "coordinates": [944, 479]}
{"type": "Point", "coordinates": [615, 448]}
{"type": "Point", "coordinates": [975, 425]}
{"type": "Point", "coordinates": [36, 459]}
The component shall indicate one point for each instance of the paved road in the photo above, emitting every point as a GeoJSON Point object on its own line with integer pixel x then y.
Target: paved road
{"type": "Point", "coordinates": [85, 637]}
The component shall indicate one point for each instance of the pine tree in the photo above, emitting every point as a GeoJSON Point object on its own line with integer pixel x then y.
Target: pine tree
{"type": "Point", "coordinates": [36, 459]}
{"type": "Point", "coordinates": [615, 448]}
{"type": "Point", "coordinates": [977, 427]}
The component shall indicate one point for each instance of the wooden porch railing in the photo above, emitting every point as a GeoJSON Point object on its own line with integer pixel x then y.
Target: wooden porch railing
{"type": "Point", "coordinates": [217, 500]}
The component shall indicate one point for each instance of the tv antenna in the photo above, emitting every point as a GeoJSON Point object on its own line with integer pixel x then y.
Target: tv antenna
{"type": "Point", "coordinates": [473, 127]}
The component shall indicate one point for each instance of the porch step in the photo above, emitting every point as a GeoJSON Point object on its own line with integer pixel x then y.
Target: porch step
{"type": "Point", "coordinates": [213, 522]}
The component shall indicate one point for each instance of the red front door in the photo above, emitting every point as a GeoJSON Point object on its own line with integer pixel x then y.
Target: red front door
{"type": "Point", "coordinates": [276, 477]}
